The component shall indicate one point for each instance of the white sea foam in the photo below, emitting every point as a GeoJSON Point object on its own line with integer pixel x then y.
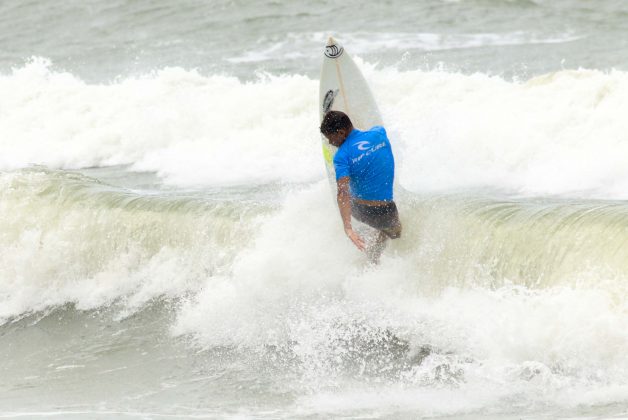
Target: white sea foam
{"type": "Point", "coordinates": [476, 302]}
{"type": "Point", "coordinates": [304, 287]}
{"type": "Point", "coordinates": [556, 134]}
{"type": "Point", "coordinates": [189, 128]}
{"type": "Point", "coordinates": [426, 322]}
{"type": "Point", "coordinates": [563, 133]}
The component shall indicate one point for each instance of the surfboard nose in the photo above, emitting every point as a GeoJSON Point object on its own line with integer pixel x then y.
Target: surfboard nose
{"type": "Point", "coordinates": [333, 49]}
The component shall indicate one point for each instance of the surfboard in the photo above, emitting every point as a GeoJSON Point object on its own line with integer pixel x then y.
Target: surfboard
{"type": "Point", "coordinates": [343, 88]}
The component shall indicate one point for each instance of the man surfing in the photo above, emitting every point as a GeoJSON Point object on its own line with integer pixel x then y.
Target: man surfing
{"type": "Point", "coordinates": [365, 170]}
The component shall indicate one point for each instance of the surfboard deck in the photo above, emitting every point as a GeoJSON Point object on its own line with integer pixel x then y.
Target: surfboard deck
{"type": "Point", "coordinates": [343, 88]}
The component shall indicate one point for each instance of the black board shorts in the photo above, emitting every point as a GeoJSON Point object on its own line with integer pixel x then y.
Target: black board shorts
{"type": "Point", "coordinates": [384, 218]}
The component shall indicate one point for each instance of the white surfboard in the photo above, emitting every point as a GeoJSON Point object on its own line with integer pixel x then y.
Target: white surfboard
{"type": "Point", "coordinates": [343, 88]}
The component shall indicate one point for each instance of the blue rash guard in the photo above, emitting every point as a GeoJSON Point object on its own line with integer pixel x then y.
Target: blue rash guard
{"type": "Point", "coordinates": [366, 158]}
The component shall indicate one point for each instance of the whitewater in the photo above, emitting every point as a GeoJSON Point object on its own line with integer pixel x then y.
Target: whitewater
{"type": "Point", "coordinates": [170, 248]}
{"type": "Point", "coordinates": [507, 292]}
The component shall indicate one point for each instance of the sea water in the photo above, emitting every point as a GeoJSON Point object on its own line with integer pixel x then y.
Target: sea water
{"type": "Point", "coordinates": [169, 246]}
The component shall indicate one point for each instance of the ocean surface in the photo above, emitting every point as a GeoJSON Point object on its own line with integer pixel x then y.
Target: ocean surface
{"type": "Point", "coordinates": [169, 246]}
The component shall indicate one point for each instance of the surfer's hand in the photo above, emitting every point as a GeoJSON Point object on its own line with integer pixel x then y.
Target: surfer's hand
{"type": "Point", "coordinates": [356, 239]}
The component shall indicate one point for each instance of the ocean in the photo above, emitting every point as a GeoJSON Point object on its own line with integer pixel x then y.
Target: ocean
{"type": "Point", "coordinates": [170, 248]}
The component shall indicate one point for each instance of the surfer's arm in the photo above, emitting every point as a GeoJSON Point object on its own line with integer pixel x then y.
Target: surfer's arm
{"type": "Point", "coordinates": [344, 204]}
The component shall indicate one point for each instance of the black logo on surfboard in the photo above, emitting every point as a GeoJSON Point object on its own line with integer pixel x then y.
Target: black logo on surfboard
{"type": "Point", "coordinates": [333, 51]}
{"type": "Point", "coordinates": [328, 101]}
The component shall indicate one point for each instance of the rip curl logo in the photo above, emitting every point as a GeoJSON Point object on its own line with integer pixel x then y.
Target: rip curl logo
{"type": "Point", "coordinates": [333, 51]}
{"type": "Point", "coordinates": [369, 152]}
{"type": "Point", "coordinates": [363, 145]}
{"type": "Point", "coordinates": [328, 102]}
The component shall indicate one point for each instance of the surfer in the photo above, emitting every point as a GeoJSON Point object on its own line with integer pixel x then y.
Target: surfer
{"type": "Point", "coordinates": [365, 169]}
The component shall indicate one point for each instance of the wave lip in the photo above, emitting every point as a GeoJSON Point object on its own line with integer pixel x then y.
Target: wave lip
{"type": "Point", "coordinates": [70, 239]}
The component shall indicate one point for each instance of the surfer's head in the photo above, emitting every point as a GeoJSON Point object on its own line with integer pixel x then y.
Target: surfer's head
{"type": "Point", "coordinates": [336, 126]}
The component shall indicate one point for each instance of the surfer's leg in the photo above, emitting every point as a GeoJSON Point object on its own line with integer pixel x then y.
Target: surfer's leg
{"type": "Point", "coordinates": [385, 219]}
{"type": "Point", "coordinates": [374, 251]}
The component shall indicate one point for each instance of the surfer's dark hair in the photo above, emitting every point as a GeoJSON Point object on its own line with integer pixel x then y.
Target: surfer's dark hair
{"type": "Point", "coordinates": [334, 121]}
